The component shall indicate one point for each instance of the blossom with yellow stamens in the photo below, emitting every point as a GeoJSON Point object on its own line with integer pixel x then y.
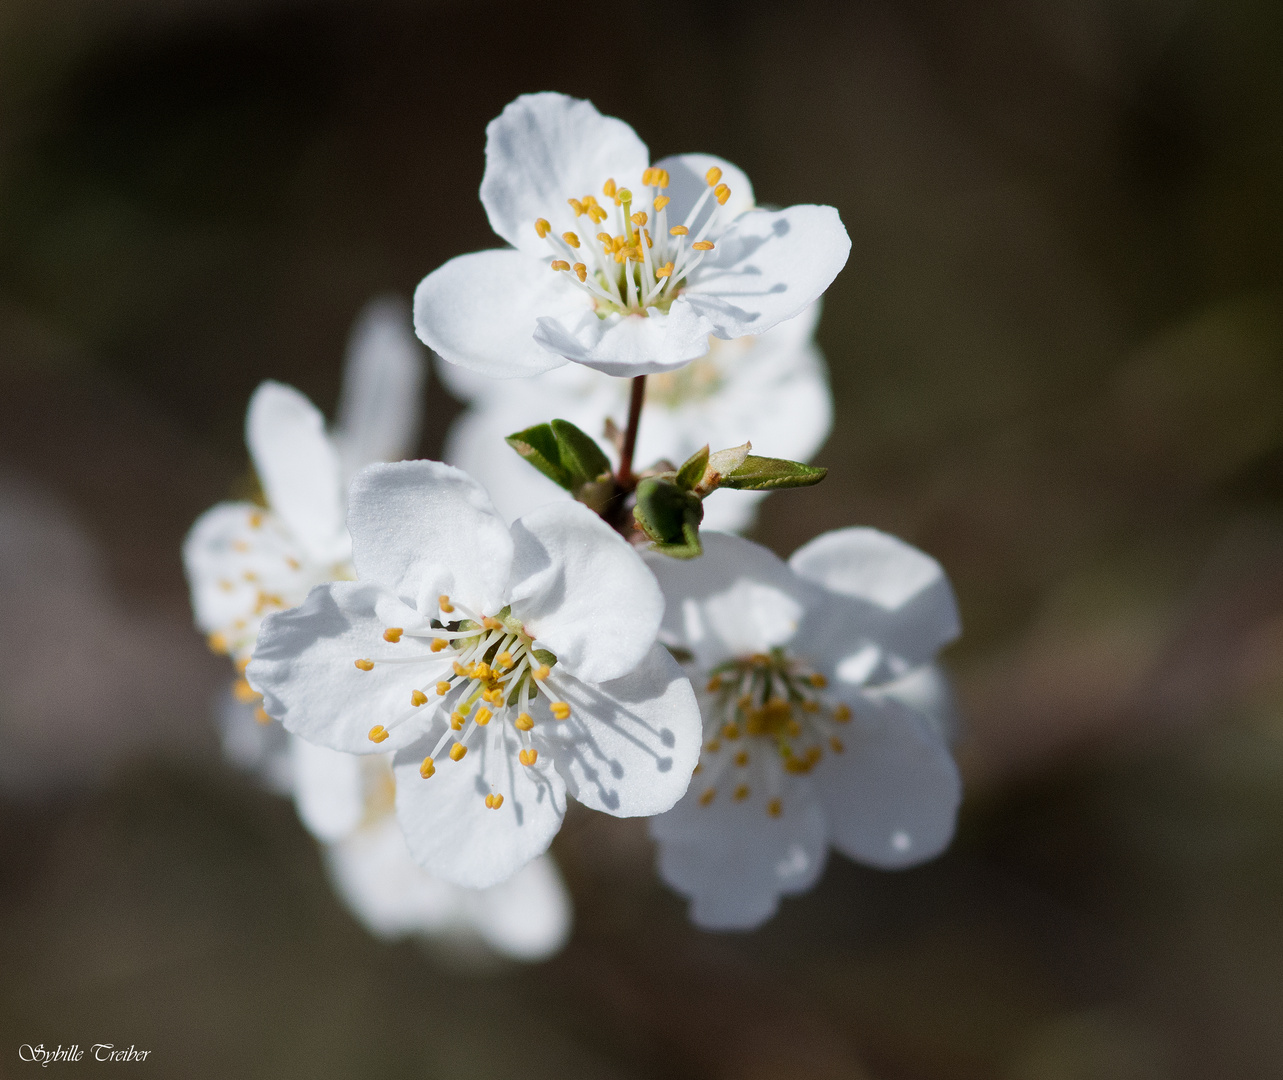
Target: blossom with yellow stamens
{"type": "Point", "coordinates": [821, 723]}
{"type": "Point", "coordinates": [567, 599]}
{"type": "Point", "coordinates": [681, 256]}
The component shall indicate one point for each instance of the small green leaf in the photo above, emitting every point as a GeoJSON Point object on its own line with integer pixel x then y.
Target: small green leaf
{"type": "Point", "coordinates": [768, 474]}
{"type": "Point", "coordinates": [580, 455]}
{"type": "Point", "coordinates": [544, 656]}
{"type": "Point", "coordinates": [538, 445]}
{"type": "Point", "coordinates": [692, 471]}
{"type": "Point", "coordinates": [669, 517]}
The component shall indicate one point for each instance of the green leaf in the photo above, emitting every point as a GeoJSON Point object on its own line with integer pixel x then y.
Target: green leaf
{"type": "Point", "coordinates": [670, 517]}
{"type": "Point", "coordinates": [538, 445]}
{"type": "Point", "coordinates": [544, 656]}
{"type": "Point", "coordinates": [580, 454]}
{"type": "Point", "coordinates": [692, 472]}
{"type": "Point", "coordinates": [768, 474]}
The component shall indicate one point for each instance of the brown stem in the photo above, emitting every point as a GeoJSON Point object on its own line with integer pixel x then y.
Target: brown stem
{"type": "Point", "coordinates": [624, 477]}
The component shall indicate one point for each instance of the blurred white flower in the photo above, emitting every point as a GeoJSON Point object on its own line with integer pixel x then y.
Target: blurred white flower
{"type": "Point", "coordinates": [630, 285]}
{"type": "Point", "coordinates": [771, 389]}
{"type": "Point", "coordinates": [244, 560]}
{"type": "Point", "coordinates": [823, 722]}
{"type": "Point", "coordinates": [546, 628]}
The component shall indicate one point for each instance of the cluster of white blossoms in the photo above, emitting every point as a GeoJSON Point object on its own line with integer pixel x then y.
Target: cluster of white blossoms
{"type": "Point", "coordinates": [458, 649]}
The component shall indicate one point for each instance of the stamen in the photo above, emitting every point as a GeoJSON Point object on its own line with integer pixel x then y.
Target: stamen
{"type": "Point", "coordinates": [775, 808]}
{"type": "Point", "coordinates": [494, 801]}
{"type": "Point", "coordinates": [661, 202]}
{"type": "Point", "coordinates": [438, 644]}
{"type": "Point", "coordinates": [418, 697]}
{"type": "Point", "coordinates": [378, 733]}
{"type": "Point", "coordinates": [712, 176]}
{"type": "Point", "coordinates": [542, 672]}
{"type": "Point", "coordinates": [218, 644]}
{"type": "Point", "coordinates": [528, 757]}
{"type": "Point", "coordinates": [457, 751]}
{"type": "Point", "coordinates": [365, 665]}
{"type": "Point", "coordinates": [443, 602]}
{"type": "Point", "coordinates": [427, 768]}
{"type": "Point", "coordinates": [245, 693]}
{"type": "Point", "coordinates": [542, 227]}
{"type": "Point", "coordinates": [842, 714]}
{"type": "Point", "coordinates": [817, 680]}
{"type": "Point", "coordinates": [741, 793]}
{"type": "Point", "coordinates": [483, 716]}
{"type": "Point", "coordinates": [560, 710]}
{"type": "Point", "coordinates": [678, 230]}
{"type": "Point", "coordinates": [702, 245]}
{"type": "Point", "coordinates": [443, 688]}
{"type": "Point", "coordinates": [721, 193]}
{"type": "Point", "coordinates": [570, 239]}
{"type": "Point", "coordinates": [581, 271]}
{"type": "Point", "coordinates": [393, 634]}
{"type": "Point", "coordinates": [524, 722]}
{"type": "Point", "coordinates": [708, 797]}
{"type": "Point", "coordinates": [560, 264]}
{"type": "Point", "coordinates": [261, 715]}
{"type": "Point", "coordinates": [608, 189]}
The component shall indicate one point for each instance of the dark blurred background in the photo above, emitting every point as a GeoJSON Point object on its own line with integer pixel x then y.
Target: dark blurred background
{"type": "Point", "coordinates": [1057, 352]}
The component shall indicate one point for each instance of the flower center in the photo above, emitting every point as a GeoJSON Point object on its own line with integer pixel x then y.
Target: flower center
{"type": "Point", "coordinates": [629, 258]}
{"type": "Point", "coordinates": [480, 668]}
{"type": "Point", "coordinates": [768, 717]}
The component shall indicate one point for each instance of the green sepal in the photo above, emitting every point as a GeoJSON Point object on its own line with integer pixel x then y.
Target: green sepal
{"type": "Point", "coordinates": [670, 517]}
{"type": "Point", "coordinates": [768, 474]}
{"type": "Point", "coordinates": [565, 455]}
{"type": "Point", "coordinates": [692, 472]}
{"type": "Point", "coordinates": [544, 656]}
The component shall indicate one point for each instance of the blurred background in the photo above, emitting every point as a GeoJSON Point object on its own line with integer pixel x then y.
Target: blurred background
{"type": "Point", "coordinates": [1057, 354]}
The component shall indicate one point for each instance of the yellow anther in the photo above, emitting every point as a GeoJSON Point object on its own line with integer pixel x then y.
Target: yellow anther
{"type": "Point", "coordinates": [438, 644]}
{"type": "Point", "coordinates": [256, 520]}
{"type": "Point", "coordinates": [721, 193]}
{"type": "Point", "coordinates": [661, 181]}
{"type": "Point", "coordinates": [810, 706]}
{"type": "Point", "coordinates": [524, 722]}
{"type": "Point", "coordinates": [842, 714]}
{"type": "Point", "coordinates": [244, 692]}
{"type": "Point", "coordinates": [481, 671]}
{"type": "Point", "coordinates": [503, 660]}
{"type": "Point", "coordinates": [443, 602]}
{"type": "Point", "coordinates": [482, 716]}
{"type": "Point", "coordinates": [560, 710]}
{"type": "Point", "coordinates": [378, 733]}
{"type": "Point", "coordinates": [714, 684]}
{"type": "Point", "coordinates": [678, 230]}
{"type": "Point", "coordinates": [443, 688]}
{"type": "Point", "coordinates": [393, 634]}
{"type": "Point", "coordinates": [292, 562]}
{"type": "Point", "coordinates": [817, 680]}
{"type": "Point", "coordinates": [619, 256]}
{"type": "Point", "coordinates": [813, 754]}
{"type": "Point", "coordinates": [365, 665]}
{"type": "Point", "coordinates": [608, 189]}
{"type": "Point", "coordinates": [457, 751]}
{"type": "Point", "coordinates": [730, 731]}
{"type": "Point", "coordinates": [542, 227]}
{"type": "Point", "coordinates": [494, 801]}
{"type": "Point", "coordinates": [493, 695]}
{"type": "Point", "coordinates": [418, 697]}
{"type": "Point", "coordinates": [597, 214]}
{"type": "Point", "coordinates": [250, 576]}
{"type": "Point", "coordinates": [661, 202]}
{"type": "Point", "coordinates": [241, 664]}
{"type": "Point", "coordinates": [576, 206]}
{"type": "Point", "coordinates": [648, 176]}
{"type": "Point", "coordinates": [542, 672]}
{"type": "Point", "coordinates": [665, 271]}
{"type": "Point", "coordinates": [649, 242]}
{"type": "Point", "coordinates": [261, 715]}
{"type": "Point", "coordinates": [703, 245]}
{"type": "Point", "coordinates": [793, 728]}
{"type": "Point", "coordinates": [581, 271]}
{"type": "Point", "coordinates": [528, 757]}
{"type": "Point", "coordinates": [461, 671]}
{"type": "Point", "coordinates": [774, 808]}
{"type": "Point", "coordinates": [240, 545]}
{"type": "Point", "coordinates": [708, 797]}
{"type": "Point", "coordinates": [741, 793]}
{"type": "Point", "coordinates": [741, 759]}
{"type": "Point", "coordinates": [427, 768]}
{"type": "Point", "coordinates": [491, 623]}
{"type": "Point", "coordinates": [456, 720]}
{"type": "Point", "coordinates": [837, 744]}
{"type": "Point", "coordinates": [639, 218]}
{"type": "Point", "coordinates": [712, 176]}
{"type": "Point", "coordinates": [714, 746]}
{"type": "Point", "coordinates": [697, 770]}
{"type": "Point", "coordinates": [570, 239]}
{"type": "Point", "coordinates": [560, 264]}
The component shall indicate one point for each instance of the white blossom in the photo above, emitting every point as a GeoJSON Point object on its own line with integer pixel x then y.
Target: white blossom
{"type": "Point", "coordinates": [615, 263]}
{"type": "Point", "coordinates": [506, 668]}
{"type": "Point", "coordinates": [770, 389]}
{"type": "Point", "coordinates": [823, 721]}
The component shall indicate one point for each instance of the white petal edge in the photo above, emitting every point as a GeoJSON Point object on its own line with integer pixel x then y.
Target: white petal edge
{"type": "Point", "coordinates": [583, 591]}
{"type": "Point", "coordinates": [329, 794]}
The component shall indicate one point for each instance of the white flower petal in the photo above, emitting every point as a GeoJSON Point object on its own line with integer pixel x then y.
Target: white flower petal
{"type": "Point", "coordinates": [328, 791]}
{"type": "Point", "coordinates": [737, 599]}
{"type": "Point", "coordinates": [928, 692]}
{"type": "Point", "coordinates": [450, 830]}
{"type": "Point", "coordinates": [630, 744]}
{"type": "Point", "coordinates": [263, 749]}
{"type": "Point", "coordinates": [628, 345]}
{"type": "Point", "coordinates": [767, 267]}
{"type": "Point", "coordinates": [881, 590]}
{"type": "Point", "coordinates": [298, 468]}
{"type": "Point", "coordinates": [544, 149]}
{"type": "Point", "coordinates": [892, 796]}
{"type": "Point", "coordinates": [424, 529]}
{"type": "Point", "coordinates": [219, 592]}
{"type": "Point", "coordinates": [734, 860]}
{"type": "Point", "coordinates": [381, 400]}
{"type": "Point", "coordinates": [527, 917]}
{"type": "Point", "coordinates": [386, 889]}
{"type": "Point", "coordinates": [686, 174]}
{"type": "Point", "coordinates": [583, 591]}
{"type": "Point", "coordinates": [304, 665]}
{"type": "Point", "coordinates": [480, 311]}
